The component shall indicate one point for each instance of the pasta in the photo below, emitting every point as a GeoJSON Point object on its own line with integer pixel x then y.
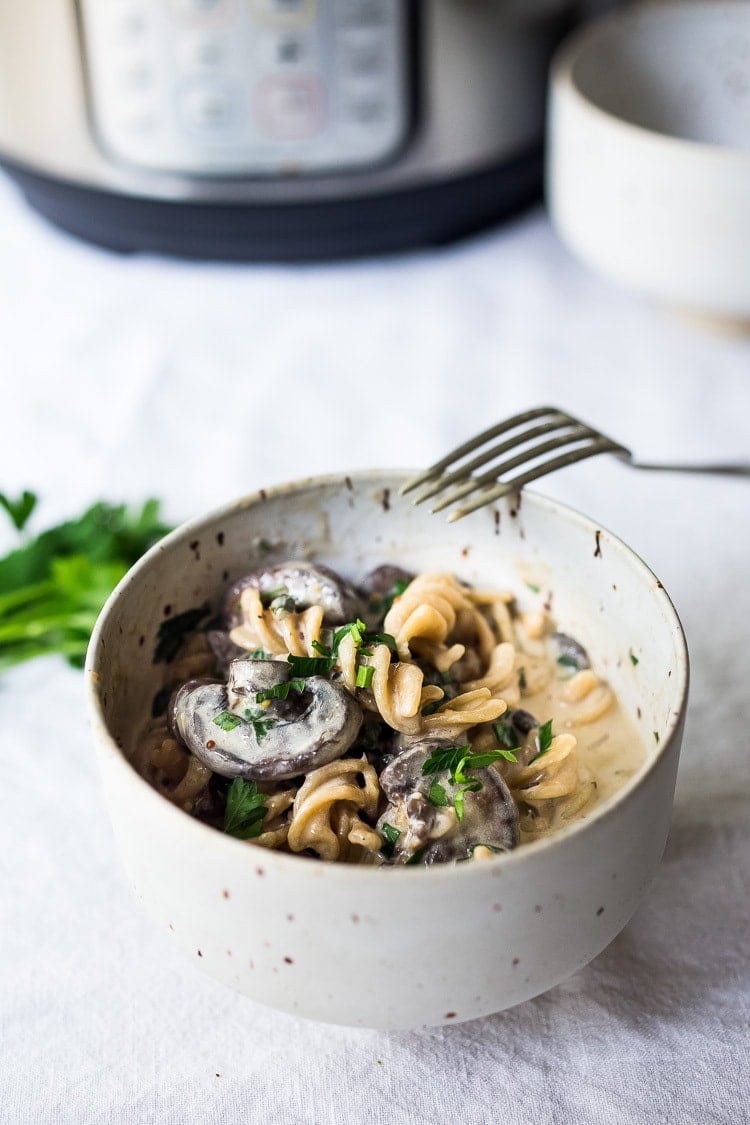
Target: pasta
{"type": "Point", "coordinates": [393, 723]}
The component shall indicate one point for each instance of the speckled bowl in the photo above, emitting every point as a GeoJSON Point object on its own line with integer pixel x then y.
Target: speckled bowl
{"type": "Point", "coordinates": [411, 946]}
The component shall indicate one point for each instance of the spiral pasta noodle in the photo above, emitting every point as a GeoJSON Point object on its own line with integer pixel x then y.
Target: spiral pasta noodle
{"type": "Point", "coordinates": [277, 632]}
{"type": "Point", "coordinates": [326, 814]}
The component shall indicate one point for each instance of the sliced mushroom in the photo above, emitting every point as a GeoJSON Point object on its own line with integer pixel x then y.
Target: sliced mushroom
{"type": "Point", "coordinates": [224, 649]}
{"type": "Point", "coordinates": [284, 739]}
{"type": "Point", "coordinates": [301, 585]}
{"type": "Point", "coordinates": [570, 652]}
{"type": "Point", "coordinates": [423, 809]}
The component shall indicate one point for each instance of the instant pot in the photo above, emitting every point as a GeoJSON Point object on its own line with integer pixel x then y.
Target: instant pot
{"type": "Point", "coordinates": [276, 129]}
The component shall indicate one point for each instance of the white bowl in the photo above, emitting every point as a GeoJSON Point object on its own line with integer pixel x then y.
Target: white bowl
{"type": "Point", "coordinates": [410, 946]}
{"type": "Point", "coordinates": [648, 166]}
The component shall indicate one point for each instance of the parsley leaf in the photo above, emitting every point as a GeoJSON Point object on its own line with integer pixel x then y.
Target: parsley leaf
{"type": "Point", "coordinates": [391, 837]}
{"type": "Point", "coordinates": [53, 587]}
{"type": "Point", "coordinates": [256, 717]}
{"type": "Point", "coordinates": [312, 665]}
{"type": "Point", "coordinates": [280, 691]}
{"type": "Point", "coordinates": [415, 858]}
{"type": "Point", "coordinates": [545, 737]}
{"type": "Point", "coordinates": [437, 795]}
{"type": "Point", "coordinates": [633, 659]}
{"type": "Point", "coordinates": [245, 810]}
{"type": "Point", "coordinates": [19, 510]}
{"type": "Point", "coordinates": [227, 720]}
{"type": "Point", "coordinates": [448, 758]}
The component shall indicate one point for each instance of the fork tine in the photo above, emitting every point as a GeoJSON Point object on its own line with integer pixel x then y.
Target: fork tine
{"type": "Point", "coordinates": [577, 434]}
{"type": "Point", "coordinates": [469, 446]}
{"type": "Point", "coordinates": [600, 445]}
{"type": "Point", "coordinates": [489, 455]}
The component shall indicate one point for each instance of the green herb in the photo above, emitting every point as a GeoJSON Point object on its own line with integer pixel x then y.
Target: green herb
{"type": "Point", "coordinates": [458, 805]}
{"type": "Point", "coordinates": [448, 759]}
{"type": "Point", "coordinates": [633, 659]}
{"type": "Point", "coordinates": [324, 650]}
{"type": "Point", "coordinates": [568, 661]}
{"type": "Point", "coordinates": [656, 737]}
{"type": "Point", "coordinates": [509, 755]}
{"type": "Point", "coordinates": [259, 654]}
{"type": "Point", "coordinates": [382, 639]}
{"type": "Point", "coordinates": [245, 810]}
{"type": "Point", "coordinates": [54, 585]}
{"type": "Point", "coordinates": [431, 708]}
{"type": "Point", "coordinates": [437, 795]}
{"type": "Point", "coordinates": [312, 665]}
{"type": "Point", "coordinates": [544, 739]}
{"type": "Point", "coordinates": [355, 628]}
{"type": "Point", "coordinates": [533, 587]}
{"type": "Point", "coordinates": [506, 734]}
{"type": "Point", "coordinates": [19, 510]}
{"type": "Point", "coordinates": [479, 761]}
{"type": "Point", "coordinates": [391, 837]}
{"type": "Point", "coordinates": [227, 720]}
{"type": "Point", "coordinates": [173, 631]}
{"type": "Point", "coordinates": [415, 858]}
{"type": "Point", "coordinates": [280, 691]}
{"type": "Point", "coordinates": [364, 676]}
{"type": "Point", "coordinates": [256, 717]}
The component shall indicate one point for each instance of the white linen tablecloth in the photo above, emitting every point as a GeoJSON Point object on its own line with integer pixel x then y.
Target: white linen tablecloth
{"type": "Point", "coordinates": [125, 377]}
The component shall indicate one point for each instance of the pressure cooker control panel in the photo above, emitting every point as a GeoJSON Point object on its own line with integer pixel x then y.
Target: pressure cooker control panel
{"type": "Point", "coordinates": [246, 87]}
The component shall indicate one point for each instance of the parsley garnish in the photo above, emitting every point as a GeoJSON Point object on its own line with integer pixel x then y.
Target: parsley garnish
{"type": "Point", "coordinates": [268, 596]}
{"type": "Point", "coordinates": [449, 759]}
{"type": "Point", "coordinates": [245, 810]}
{"type": "Point", "coordinates": [568, 661]}
{"type": "Point", "coordinates": [633, 659]}
{"type": "Point", "coordinates": [437, 795]}
{"type": "Point", "coordinates": [280, 691]}
{"type": "Point", "coordinates": [545, 740]}
{"type": "Point", "coordinates": [261, 725]}
{"type": "Point", "coordinates": [312, 665]}
{"type": "Point", "coordinates": [507, 735]}
{"type": "Point", "coordinates": [391, 837]}
{"type": "Point", "coordinates": [533, 587]}
{"type": "Point", "coordinates": [227, 720]}
{"type": "Point", "coordinates": [259, 654]}
{"type": "Point", "coordinates": [415, 858]}
{"type": "Point", "coordinates": [19, 510]}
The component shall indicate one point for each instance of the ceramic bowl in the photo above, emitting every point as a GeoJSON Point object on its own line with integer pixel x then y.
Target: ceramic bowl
{"type": "Point", "coordinates": [400, 947]}
{"type": "Point", "coordinates": [648, 166]}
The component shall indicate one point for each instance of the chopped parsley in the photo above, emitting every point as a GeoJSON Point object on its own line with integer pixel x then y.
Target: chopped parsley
{"type": "Point", "coordinates": [437, 795]}
{"type": "Point", "coordinates": [227, 720]}
{"type": "Point", "coordinates": [254, 716]}
{"type": "Point", "coordinates": [507, 736]}
{"type": "Point", "coordinates": [312, 665]}
{"type": "Point", "coordinates": [245, 811]}
{"type": "Point", "coordinates": [568, 661]}
{"type": "Point", "coordinates": [533, 587]}
{"type": "Point", "coordinates": [267, 597]}
{"type": "Point", "coordinates": [449, 759]}
{"type": "Point", "coordinates": [280, 691]}
{"type": "Point", "coordinates": [415, 858]}
{"type": "Point", "coordinates": [633, 659]}
{"type": "Point", "coordinates": [391, 837]}
{"type": "Point", "coordinates": [259, 654]}
{"type": "Point", "coordinates": [544, 738]}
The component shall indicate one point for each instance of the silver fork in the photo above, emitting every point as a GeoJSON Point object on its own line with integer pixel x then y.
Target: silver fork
{"type": "Point", "coordinates": [527, 432]}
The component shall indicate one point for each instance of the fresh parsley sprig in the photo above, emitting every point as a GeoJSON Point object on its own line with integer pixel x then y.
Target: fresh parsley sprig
{"type": "Point", "coordinates": [53, 586]}
{"type": "Point", "coordinates": [544, 739]}
{"type": "Point", "coordinates": [245, 811]}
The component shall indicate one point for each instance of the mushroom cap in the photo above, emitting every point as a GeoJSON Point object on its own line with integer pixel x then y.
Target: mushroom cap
{"type": "Point", "coordinates": [285, 739]}
{"type": "Point", "coordinates": [305, 584]}
{"type": "Point", "coordinates": [490, 815]}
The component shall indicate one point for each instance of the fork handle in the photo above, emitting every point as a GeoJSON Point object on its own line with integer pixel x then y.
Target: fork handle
{"type": "Point", "coordinates": [730, 469]}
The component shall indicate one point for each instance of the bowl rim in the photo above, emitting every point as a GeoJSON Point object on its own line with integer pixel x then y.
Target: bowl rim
{"type": "Point", "coordinates": [578, 43]}
{"type": "Point", "coordinates": [106, 744]}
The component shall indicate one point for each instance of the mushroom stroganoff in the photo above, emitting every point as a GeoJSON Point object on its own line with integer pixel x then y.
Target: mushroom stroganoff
{"type": "Point", "coordinates": [412, 719]}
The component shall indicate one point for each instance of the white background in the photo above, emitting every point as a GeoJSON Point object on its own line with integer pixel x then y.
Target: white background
{"type": "Point", "coordinates": [126, 377]}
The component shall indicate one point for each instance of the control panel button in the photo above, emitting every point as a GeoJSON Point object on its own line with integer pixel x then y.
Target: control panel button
{"type": "Point", "coordinates": [289, 108]}
{"type": "Point", "coordinates": [207, 107]}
